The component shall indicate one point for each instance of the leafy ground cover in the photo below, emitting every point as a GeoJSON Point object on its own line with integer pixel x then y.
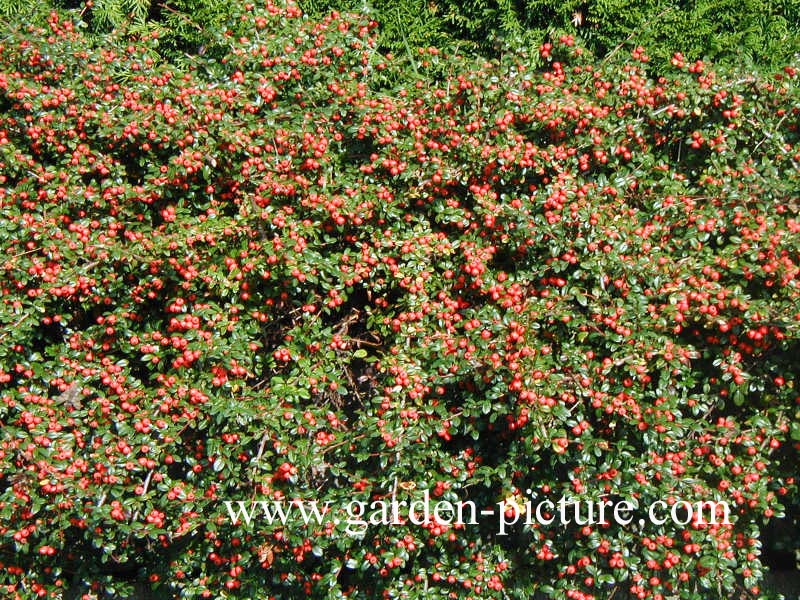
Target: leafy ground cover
{"type": "Point", "coordinates": [275, 277]}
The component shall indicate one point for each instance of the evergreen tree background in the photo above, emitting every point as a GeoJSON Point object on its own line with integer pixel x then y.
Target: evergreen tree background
{"type": "Point", "coordinates": [749, 33]}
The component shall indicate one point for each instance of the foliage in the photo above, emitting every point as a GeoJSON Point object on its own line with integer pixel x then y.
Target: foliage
{"type": "Point", "coordinates": [270, 279]}
{"type": "Point", "coordinates": [746, 33]}
{"type": "Point", "coordinates": [405, 24]}
{"type": "Point", "coordinates": [750, 32]}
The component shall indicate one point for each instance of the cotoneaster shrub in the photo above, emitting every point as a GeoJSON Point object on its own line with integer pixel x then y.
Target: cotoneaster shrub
{"type": "Point", "coordinates": [271, 280]}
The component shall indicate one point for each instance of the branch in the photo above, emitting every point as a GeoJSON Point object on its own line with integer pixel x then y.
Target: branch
{"type": "Point", "coordinates": [19, 322]}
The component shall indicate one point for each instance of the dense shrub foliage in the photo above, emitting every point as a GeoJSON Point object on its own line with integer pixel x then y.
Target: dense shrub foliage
{"type": "Point", "coordinates": [754, 31]}
{"type": "Point", "coordinates": [272, 280]}
{"type": "Point", "coordinates": [758, 31]}
{"type": "Point", "coordinates": [741, 32]}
